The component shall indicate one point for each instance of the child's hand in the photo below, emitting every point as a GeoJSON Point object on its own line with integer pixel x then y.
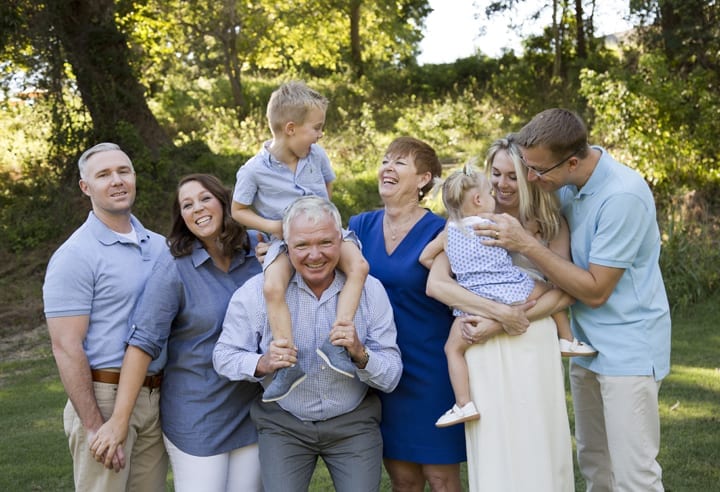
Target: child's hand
{"type": "Point", "coordinates": [478, 329]}
{"type": "Point", "coordinates": [261, 248]}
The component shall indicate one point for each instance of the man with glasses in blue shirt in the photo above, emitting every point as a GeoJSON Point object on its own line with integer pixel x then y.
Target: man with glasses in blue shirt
{"type": "Point", "coordinates": [621, 309]}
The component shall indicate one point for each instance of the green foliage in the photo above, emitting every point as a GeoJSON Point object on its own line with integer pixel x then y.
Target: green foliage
{"type": "Point", "coordinates": [32, 213]}
{"type": "Point", "coordinates": [662, 125]}
{"type": "Point", "coordinates": [654, 110]}
{"type": "Point", "coordinates": [356, 156]}
{"type": "Point", "coordinates": [34, 208]}
{"type": "Point", "coordinates": [690, 251]}
{"type": "Point", "coordinates": [458, 127]}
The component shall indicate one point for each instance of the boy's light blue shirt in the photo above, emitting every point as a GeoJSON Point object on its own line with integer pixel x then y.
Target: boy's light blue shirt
{"type": "Point", "coordinates": [612, 223]}
{"type": "Point", "coordinates": [98, 273]}
{"type": "Point", "coordinates": [269, 186]}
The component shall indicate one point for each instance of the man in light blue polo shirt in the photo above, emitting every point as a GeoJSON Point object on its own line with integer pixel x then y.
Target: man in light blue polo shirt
{"type": "Point", "coordinates": [621, 309]}
{"type": "Point", "coordinates": [91, 285]}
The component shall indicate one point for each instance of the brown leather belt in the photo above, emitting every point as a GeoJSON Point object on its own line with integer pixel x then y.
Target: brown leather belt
{"type": "Point", "coordinates": [112, 377]}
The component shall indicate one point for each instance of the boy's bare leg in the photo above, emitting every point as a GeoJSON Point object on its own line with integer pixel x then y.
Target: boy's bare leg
{"type": "Point", "coordinates": [353, 264]}
{"type": "Point", "coordinates": [276, 280]}
{"type": "Point", "coordinates": [356, 269]}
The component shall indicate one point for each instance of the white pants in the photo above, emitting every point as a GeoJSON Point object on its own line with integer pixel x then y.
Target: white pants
{"type": "Point", "coordinates": [617, 429]}
{"type": "Point", "coordinates": [238, 469]}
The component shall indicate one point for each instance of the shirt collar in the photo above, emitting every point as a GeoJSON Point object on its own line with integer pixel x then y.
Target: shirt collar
{"type": "Point", "coordinates": [596, 180]}
{"type": "Point", "coordinates": [333, 289]}
{"type": "Point", "coordinates": [107, 236]}
{"type": "Point", "coordinates": [200, 256]}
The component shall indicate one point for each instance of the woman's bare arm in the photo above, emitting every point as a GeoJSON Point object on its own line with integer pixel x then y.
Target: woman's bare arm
{"type": "Point", "coordinates": [441, 286]}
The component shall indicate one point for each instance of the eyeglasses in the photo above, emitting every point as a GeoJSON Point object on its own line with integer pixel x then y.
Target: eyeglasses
{"type": "Point", "coordinates": [540, 172]}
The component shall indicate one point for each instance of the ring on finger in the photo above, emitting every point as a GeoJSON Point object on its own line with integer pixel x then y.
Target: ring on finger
{"type": "Point", "coordinates": [497, 234]}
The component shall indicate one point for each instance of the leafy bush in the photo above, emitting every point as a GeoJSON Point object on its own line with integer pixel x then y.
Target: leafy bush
{"type": "Point", "coordinates": [457, 127]}
{"type": "Point", "coordinates": [690, 252]}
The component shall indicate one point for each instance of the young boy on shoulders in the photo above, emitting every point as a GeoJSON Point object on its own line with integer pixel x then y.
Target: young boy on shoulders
{"type": "Point", "coordinates": [289, 166]}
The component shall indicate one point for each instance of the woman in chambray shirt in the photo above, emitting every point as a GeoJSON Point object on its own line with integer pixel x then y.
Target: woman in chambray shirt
{"type": "Point", "coordinates": [210, 439]}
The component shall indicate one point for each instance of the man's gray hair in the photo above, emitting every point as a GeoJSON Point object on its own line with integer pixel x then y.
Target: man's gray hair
{"type": "Point", "coordinates": [314, 208]}
{"type": "Point", "coordinates": [96, 149]}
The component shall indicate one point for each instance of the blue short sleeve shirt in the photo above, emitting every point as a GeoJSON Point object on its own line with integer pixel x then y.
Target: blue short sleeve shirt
{"type": "Point", "coordinates": [270, 186]}
{"type": "Point", "coordinates": [98, 273]}
{"type": "Point", "coordinates": [612, 223]}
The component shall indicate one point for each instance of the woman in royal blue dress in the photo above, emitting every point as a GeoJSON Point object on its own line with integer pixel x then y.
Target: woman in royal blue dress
{"type": "Point", "coordinates": [415, 451]}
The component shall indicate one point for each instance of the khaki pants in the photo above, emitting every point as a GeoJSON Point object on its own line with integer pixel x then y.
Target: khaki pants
{"type": "Point", "coordinates": [617, 429]}
{"type": "Point", "coordinates": [146, 462]}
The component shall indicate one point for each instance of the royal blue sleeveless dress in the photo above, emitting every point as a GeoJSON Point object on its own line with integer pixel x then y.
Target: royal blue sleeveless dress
{"type": "Point", "coordinates": [423, 324]}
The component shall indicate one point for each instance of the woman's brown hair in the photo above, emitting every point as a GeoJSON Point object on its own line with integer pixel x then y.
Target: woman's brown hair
{"type": "Point", "coordinates": [233, 236]}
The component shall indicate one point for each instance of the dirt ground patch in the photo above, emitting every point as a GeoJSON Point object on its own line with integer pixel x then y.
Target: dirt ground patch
{"type": "Point", "coordinates": [22, 323]}
{"type": "Point", "coordinates": [27, 344]}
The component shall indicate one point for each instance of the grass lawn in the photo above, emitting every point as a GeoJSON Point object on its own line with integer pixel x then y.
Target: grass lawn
{"type": "Point", "coordinates": [34, 455]}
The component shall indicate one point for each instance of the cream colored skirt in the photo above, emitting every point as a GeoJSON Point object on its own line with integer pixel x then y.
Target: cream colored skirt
{"type": "Point", "coordinates": [522, 441]}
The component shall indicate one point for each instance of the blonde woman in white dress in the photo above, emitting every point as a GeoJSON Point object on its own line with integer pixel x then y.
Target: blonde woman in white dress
{"type": "Point", "coordinates": [522, 440]}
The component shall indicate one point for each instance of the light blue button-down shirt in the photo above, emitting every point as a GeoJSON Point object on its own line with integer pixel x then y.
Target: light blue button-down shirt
{"type": "Point", "coordinates": [324, 394]}
{"type": "Point", "coordinates": [270, 186]}
{"type": "Point", "coordinates": [183, 305]}
{"type": "Point", "coordinates": [99, 273]}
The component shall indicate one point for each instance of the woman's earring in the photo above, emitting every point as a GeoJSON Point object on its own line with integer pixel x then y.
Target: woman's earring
{"type": "Point", "coordinates": [421, 193]}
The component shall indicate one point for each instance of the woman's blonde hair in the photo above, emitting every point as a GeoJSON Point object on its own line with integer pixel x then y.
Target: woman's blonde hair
{"type": "Point", "coordinates": [534, 203]}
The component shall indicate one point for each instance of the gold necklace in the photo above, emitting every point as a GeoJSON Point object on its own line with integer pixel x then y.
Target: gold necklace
{"type": "Point", "coordinates": [393, 231]}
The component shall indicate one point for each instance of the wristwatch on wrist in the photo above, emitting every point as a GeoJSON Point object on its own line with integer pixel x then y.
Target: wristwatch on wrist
{"type": "Point", "coordinates": [364, 359]}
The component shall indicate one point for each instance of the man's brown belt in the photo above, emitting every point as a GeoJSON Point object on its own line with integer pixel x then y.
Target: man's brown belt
{"type": "Point", "coordinates": [111, 377]}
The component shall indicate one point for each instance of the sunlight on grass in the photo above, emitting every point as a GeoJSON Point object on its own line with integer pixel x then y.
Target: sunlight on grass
{"type": "Point", "coordinates": [702, 377]}
{"type": "Point", "coordinates": [32, 400]}
{"type": "Point", "coordinates": [54, 386]}
{"type": "Point", "coordinates": [690, 393]}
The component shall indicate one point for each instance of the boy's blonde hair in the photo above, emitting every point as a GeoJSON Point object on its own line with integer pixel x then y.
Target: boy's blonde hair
{"type": "Point", "coordinates": [457, 185]}
{"type": "Point", "coordinates": [291, 102]}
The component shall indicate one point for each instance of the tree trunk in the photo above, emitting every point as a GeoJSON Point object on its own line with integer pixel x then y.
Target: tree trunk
{"type": "Point", "coordinates": [557, 61]}
{"type": "Point", "coordinates": [228, 37]}
{"type": "Point", "coordinates": [355, 45]}
{"type": "Point", "coordinates": [99, 56]}
{"type": "Point", "coordinates": [580, 42]}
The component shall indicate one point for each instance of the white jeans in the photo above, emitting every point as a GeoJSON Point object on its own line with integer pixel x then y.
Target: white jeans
{"type": "Point", "coordinates": [238, 469]}
{"type": "Point", "coordinates": [617, 429]}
